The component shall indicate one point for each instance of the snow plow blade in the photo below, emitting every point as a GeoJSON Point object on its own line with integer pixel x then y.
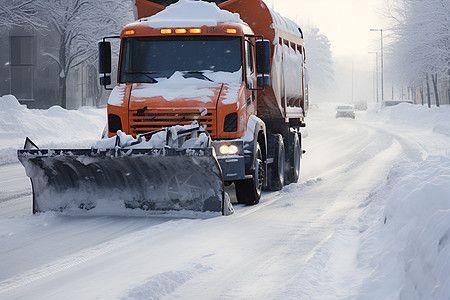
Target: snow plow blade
{"type": "Point", "coordinates": [162, 180]}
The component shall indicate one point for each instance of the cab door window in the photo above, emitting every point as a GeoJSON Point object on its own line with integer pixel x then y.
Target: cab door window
{"type": "Point", "coordinates": [249, 66]}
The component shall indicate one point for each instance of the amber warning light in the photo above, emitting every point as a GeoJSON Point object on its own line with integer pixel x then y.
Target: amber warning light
{"type": "Point", "coordinates": [180, 30]}
{"type": "Point", "coordinates": [191, 30]}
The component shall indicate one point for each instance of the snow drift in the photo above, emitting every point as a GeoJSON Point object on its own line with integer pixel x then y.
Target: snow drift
{"type": "Point", "coordinates": [54, 127]}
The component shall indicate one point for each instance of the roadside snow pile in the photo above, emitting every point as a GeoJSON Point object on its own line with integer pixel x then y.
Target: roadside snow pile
{"type": "Point", "coordinates": [193, 14]}
{"type": "Point", "coordinates": [435, 118]}
{"type": "Point", "coordinates": [410, 234]}
{"type": "Point", "coordinates": [55, 127]}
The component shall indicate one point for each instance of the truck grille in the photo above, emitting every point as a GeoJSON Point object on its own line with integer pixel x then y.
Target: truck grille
{"type": "Point", "coordinates": [141, 122]}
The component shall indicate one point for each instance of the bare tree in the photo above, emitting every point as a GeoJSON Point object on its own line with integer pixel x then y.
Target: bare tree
{"type": "Point", "coordinates": [421, 40]}
{"type": "Point", "coordinates": [19, 12]}
{"type": "Point", "coordinates": [80, 24]}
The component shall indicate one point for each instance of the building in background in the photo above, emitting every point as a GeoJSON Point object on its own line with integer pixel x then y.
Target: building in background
{"type": "Point", "coordinates": [27, 72]}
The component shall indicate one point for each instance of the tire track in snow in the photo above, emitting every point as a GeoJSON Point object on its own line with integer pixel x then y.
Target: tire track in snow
{"type": "Point", "coordinates": [81, 257]}
{"type": "Point", "coordinates": [334, 257]}
{"type": "Point", "coordinates": [15, 191]}
{"type": "Point", "coordinates": [315, 235]}
{"type": "Point", "coordinates": [14, 196]}
{"type": "Point", "coordinates": [17, 204]}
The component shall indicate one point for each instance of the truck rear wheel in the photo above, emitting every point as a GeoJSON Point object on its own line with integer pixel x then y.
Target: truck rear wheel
{"type": "Point", "coordinates": [275, 170]}
{"type": "Point", "coordinates": [248, 191]}
{"type": "Point", "coordinates": [294, 155]}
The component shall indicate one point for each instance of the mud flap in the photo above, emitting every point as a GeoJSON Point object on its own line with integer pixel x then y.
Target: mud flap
{"type": "Point", "coordinates": [145, 179]}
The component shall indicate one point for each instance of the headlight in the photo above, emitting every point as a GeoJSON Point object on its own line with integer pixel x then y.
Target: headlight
{"type": "Point", "coordinates": [228, 149]}
{"type": "Point", "coordinates": [234, 149]}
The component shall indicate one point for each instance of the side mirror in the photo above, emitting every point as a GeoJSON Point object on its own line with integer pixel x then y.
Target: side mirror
{"type": "Point", "coordinates": [262, 56]}
{"type": "Point", "coordinates": [104, 63]}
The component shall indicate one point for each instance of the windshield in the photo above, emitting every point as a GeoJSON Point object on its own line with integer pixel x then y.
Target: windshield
{"type": "Point", "coordinates": [146, 58]}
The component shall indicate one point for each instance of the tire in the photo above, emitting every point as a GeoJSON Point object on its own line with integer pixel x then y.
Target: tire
{"type": "Point", "coordinates": [275, 170]}
{"type": "Point", "coordinates": [248, 191]}
{"type": "Point", "coordinates": [294, 151]}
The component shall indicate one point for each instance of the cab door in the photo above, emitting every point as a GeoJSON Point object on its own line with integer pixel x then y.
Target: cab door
{"type": "Point", "coordinates": [250, 75]}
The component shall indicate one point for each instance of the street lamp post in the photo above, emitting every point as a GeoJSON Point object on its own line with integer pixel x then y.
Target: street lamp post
{"type": "Point", "coordinates": [382, 86]}
{"type": "Point", "coordinates": [376, 71]}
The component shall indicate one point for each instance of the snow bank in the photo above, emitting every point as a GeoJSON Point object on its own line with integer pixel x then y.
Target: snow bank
{"type": "Point", "coordinates": [193, 14]}
{"type": "Point", "coordinates": [402, 232]}
{"type": "Point", "coordinates": [409, 221]}
{"type": "Point", "coordinates": [434, 118]}
{"type": "Point", "coordinates": [55, 127]}
{"type": "Point", "coordinates": [411, 233]}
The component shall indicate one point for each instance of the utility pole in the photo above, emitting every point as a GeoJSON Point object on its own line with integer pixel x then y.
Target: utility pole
{"type": "Point", "coordinates": [376, 71]}
{"type": "Point", "coordinates": [382, 81]}
{"type": "Point", "coordinates": [392, 90]}
{"type": "Point", "coordinates": [352, 82]}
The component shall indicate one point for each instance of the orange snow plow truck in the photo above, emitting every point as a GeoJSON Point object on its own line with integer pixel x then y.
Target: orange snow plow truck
{"type": "Point", "coordinates": [208, 94]}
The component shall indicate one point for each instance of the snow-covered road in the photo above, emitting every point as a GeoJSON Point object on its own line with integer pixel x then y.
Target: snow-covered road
{"type": "Point", "coordinates": [312, 240]}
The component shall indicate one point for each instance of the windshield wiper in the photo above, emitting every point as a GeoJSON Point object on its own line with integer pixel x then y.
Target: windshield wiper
{"type": "Point", "coordinates": [197, 73]}
{"type": "Point", "coordinates": [145, 74]}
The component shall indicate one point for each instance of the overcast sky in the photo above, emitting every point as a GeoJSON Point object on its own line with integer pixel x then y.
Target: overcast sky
{"type": "Point", "coordinates": [345, 22]}
{"type": "Point", "coordinates": [347, 25]}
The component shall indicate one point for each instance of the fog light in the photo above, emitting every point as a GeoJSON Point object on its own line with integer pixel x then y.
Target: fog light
{"type": "Point", "coordinates": [223, 149]}
{"type": "Point", "coordinates": [233, 149]}
{"type": "Point", "coordinates": [228, 149]}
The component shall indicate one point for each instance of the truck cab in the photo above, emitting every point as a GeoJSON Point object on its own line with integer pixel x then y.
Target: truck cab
{"type": "Point", "coordinates": [174, 76]}
{"type": "Point", "coordinates": [193, 61]}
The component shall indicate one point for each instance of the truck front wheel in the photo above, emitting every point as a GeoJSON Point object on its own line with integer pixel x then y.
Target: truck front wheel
{"type": "Point", "coordinates": [248, 191]}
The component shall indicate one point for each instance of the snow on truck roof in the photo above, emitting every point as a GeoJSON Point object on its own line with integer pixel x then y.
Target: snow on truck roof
{"type": "Point", "coordinates": [206, 12]}
{"type": "Point", "coordinates": [193, 14]}
{"type": "Point", "coordinates": [285, 24]}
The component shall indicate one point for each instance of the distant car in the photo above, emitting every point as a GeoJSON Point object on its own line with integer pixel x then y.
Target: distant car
{"type": "Point", "coordinates": [345, 111]}
{"type": "Point", "coordinates": [361, 105]}
{"type": "Point", "coordinates": [387, 103]}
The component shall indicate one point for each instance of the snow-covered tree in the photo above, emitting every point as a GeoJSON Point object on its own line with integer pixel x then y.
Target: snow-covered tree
{"type": "Point", "coordinates": [77, 27]}
{"type": "Point", "coordinates": [80, 24]}
{"type": "Point", "coordinates": [19, 12]}
{"type": "Point", "coordinates": [421, 47]}
{"type": "Point", "coordinates": [319, 58]}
